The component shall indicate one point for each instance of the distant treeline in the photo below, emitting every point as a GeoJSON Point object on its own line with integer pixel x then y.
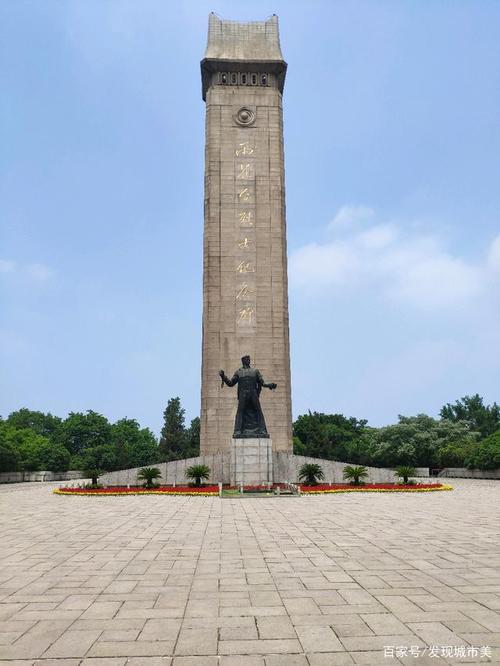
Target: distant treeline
{"type": "Point", "coordinates": [467, 434]}
{"type": "Point", "coordinates": [32, 440]}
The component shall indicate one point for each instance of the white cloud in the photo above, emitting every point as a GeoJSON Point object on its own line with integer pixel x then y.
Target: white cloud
{"type": "Point", "coordinates": [39, 272]}
{"type": "Point", "coordinates": [323, 265]}
{"type": "Point", "coordinates": [378, 237]}
{"type": "Point", "coordinates": [400, 262]}
{"type": "Point", "coordinates": [348, 216]}
{"type": "Point", "coordinates": [7, 266]}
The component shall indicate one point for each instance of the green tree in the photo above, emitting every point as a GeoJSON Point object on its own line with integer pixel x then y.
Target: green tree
{"type": "Point", "coordinates": [482, 418]}
{"type": "Point", "coordinates": [54, 457]}
{"type": "Point", "coordinates": [85, 431]}
{"type": "Point", "coordinates": [415, 440]}
{"type": "Point", "coordinates": [98, 457]}
{"type": "Point", "coordinates": [36, 452]}
{"type": "Point", "coordinates": [455, 455]}
{"type": "Point", "coordinates": [133, 446]}
{"type": "Point", "coordinates": [10, 459]}
{"type": "Point", "coordinates": [46, 425]}
{"type": "Point", "coordinates": [29, 446]}
{"type": "Point", "coordinates": [326, 435]}
{"type": "Point", "coordinates": [173, 434]}
{"type": "Point", "coordinates": [299, 448]}
{"type": "Point", "coordinates": [146, 450]}
{"type": "Point", "coordinates": [362, 450]}
{"type": "Point", "coordinates": [486, 454]}
{"type": "Point", "coordinates": [193, 439]}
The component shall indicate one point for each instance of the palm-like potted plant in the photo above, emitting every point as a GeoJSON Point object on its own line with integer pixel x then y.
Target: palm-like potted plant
{"type": "Point", "coordinates": [93, 474]}
{"type": "Point", "coordinates": [149, 475]}
{"type": "Point", "coordinates": [198, 472]}
{"type": "Point", "coordinates": [404, 472]}
{"type": "Point", "coordinates": [354, 473]}
{"type": "Point", "coordinates": [311, 473]}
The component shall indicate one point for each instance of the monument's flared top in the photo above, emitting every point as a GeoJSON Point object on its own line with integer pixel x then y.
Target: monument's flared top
{"type": "Point", "coordinates": [231, 40]}
{"type": "Point", "coordinates": [233, 46]}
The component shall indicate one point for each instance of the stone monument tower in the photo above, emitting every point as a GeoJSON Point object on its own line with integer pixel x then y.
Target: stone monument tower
{"type": "Point", "coordinates": [245, 299]}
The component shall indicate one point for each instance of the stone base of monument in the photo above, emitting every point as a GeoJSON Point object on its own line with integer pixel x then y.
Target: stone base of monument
{"type": "Point", "coordinates": [251, 462]}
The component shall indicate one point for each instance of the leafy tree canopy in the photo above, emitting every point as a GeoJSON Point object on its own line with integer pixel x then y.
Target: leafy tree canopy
{"type": "Point", "coordinates": [326, 435]}
{"type": "Point", "coordinates": [483, 418]}
{"type": "Point", "coordinates": [486, 455]}
{"type": "Point", "coordinates": [415, 440]}
{"type": "Point", "coordinates": [176, 440]}
{"type": "Point", "coordinates": [24, 449]}
{"type": "Point", "coordinates": [10, 458]}
{"type": "Point", "coordinates": [81, 441]}
{"type": "Point", "coordinates": [46, 425]}
{"type": "Point", "coordinates": [85, 431]}
{"type": "Point", "coordinates": [133, 446]}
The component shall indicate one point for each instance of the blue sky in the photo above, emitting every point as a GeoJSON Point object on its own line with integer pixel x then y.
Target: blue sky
{"type": "Point", "coordinates": [393, 203]}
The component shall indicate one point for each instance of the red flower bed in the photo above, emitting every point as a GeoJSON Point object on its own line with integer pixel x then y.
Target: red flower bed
{"type": "Point", "coordinates": [373, 487]}
{"type": "Point", "coordinates": [327, 486]}
{"type": "Point", "coordinates": [214, 490]}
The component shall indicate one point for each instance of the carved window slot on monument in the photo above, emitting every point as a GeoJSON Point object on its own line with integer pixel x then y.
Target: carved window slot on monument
{"type": "Point", "coordinates": [242, 79]}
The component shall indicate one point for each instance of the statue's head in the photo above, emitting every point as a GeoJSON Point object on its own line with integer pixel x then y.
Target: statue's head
{"type": "Point", "coordinates": [246, 361]}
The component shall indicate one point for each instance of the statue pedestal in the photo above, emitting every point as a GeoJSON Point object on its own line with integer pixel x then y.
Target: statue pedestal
{"type": "Point", "coordinates": [251, 461]}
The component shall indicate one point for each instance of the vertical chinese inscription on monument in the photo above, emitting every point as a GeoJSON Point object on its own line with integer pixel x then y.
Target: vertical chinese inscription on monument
{"type": "Point", "coordinates": [244, 173]}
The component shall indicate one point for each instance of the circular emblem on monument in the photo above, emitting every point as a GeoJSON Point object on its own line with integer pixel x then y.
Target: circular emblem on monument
{"type": "Point", "coordinates": [245, 116]}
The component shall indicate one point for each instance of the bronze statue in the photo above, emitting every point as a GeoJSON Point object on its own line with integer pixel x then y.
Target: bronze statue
{"type": "Point", "coordinates": [249, 420]}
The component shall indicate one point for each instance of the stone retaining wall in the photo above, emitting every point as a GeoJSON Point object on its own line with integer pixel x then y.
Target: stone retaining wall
{"type": "Point", "coordinates": [286, 468]}
{"type": "Point", "coordinates": [19, 477]}
{"type": "Point", "coordinates": [174, 472]}
{"type": "Point", "coordinates": [464, 473]}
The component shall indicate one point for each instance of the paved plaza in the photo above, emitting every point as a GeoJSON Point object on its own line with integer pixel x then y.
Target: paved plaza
{"type": "Point", "coordinates": [291, 581]}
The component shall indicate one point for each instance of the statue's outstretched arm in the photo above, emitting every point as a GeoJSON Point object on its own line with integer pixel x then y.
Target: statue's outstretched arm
{"type": "Point", "coordinates": [270, 385]}
{"type": "Point", "coordinates": [226, 380]}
